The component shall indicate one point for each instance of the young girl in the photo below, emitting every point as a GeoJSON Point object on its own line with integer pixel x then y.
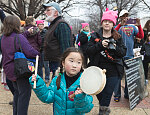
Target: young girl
{"type": "Point", "coordinates": [105, 50]}
{"type": "Point", "coordinates": [64, 85]}
{"type": "Point", "coordinates": [145, 50]}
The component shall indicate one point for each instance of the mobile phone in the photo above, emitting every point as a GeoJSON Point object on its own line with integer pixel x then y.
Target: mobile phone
{"type": "Point", "coordinates": [131, 21]}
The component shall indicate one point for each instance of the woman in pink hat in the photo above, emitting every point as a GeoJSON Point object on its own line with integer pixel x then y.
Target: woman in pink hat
{"type": "Point", "coordinates": [42, 62]}
{"type": "Point", "coordinates": [83, 39]}
{"type": "Point", "coordinates": [105, 50]}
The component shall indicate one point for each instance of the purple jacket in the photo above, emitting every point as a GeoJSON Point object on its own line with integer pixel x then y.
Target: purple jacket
{"type": "Point", "coordinates": [8, 51]}
{"type": "Point", "coordinates": [34, 40]}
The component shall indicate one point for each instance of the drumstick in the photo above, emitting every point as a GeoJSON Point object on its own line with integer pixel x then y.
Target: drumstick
{"type": "Point", "coordinates": [36, 67]}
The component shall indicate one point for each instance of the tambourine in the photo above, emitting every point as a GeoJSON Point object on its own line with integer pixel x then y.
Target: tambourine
{"type": "Point", "coordinates": [92, 81]}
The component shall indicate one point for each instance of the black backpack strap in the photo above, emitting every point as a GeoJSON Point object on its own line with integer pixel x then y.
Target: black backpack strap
{"type": "Point", "coordinates": [18, 42]}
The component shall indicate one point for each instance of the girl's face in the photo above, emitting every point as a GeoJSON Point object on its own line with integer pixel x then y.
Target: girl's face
{"type": "Point", "coordinates": [72, 64]}
{"type": "Point", "coordinates": [107, 25]}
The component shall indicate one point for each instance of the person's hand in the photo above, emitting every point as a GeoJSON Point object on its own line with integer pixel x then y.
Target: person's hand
{"type": "Point", "coordinates": [33, 77]}
{"type": "Point", "coordinates": [89, 34]}
{"type": "Point", "coordinates": [105, 43]}
{"type": "Point", "coordinates": [78, 91]}
{"type": "Point", "coordinates": [30, 30]}
{"type": "Point", "coordinates": [138, 23]}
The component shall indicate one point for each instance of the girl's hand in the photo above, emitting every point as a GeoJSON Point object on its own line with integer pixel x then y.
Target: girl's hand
{"type": "Point", "coordinates": [78, 91]}
{"type": "Point", "coordinates": [33, 77]}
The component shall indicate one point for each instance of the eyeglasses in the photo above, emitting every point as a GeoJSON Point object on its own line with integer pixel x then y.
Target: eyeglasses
{"type": "Point", "coordinates": [47, 10]}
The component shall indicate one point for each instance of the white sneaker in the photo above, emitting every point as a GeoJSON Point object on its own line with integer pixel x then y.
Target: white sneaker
{"type": "Point", "coordinates": [146, 81]}
{"type": "Point", "coordinates": [6, 87]}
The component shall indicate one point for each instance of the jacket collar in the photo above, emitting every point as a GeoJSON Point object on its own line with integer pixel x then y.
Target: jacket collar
{"type": "Point", "coordinates": [58, 18]}
{"type": "Point", "coordinates": [63, 82]}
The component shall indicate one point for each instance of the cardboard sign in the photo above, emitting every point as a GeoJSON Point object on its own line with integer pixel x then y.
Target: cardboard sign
{"type": "Point", "coordinates": [135, 81]}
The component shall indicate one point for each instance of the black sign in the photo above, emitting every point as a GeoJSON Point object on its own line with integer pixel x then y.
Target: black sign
{"type": "Point", "coordinates": [135, 81]}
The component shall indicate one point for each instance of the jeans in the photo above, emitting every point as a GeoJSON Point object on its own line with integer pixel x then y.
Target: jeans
{"type": "Point", "coordinates": [46, 67]}
{"type": "Point", "coordinates": [105, 96]}
{"type": "Point", "coordinates": [146, 61]}
{"type": "Point", "coordinates": [53, 65]}
{"type": "Point", "coordinates": [10, 85]}
{"type": "Point", "coordinates": [22, 96]}
{"type": "Point", "coordinates": [117, 90]}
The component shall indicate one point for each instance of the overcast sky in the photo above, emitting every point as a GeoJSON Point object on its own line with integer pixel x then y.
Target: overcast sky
{"type": "Point", "coordinates": [80, 12]}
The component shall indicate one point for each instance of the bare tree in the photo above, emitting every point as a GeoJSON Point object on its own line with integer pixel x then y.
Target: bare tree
{"type": "Point", "coordinates": [23, 8]}
{"type": "Point", "coordinates": [96, 14]}
{"type": "Point", "coordinates": [146, 4]}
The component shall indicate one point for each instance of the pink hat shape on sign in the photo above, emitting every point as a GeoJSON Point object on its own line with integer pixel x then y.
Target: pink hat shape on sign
{"type": "Point", "coordinates": [39, 22]}
{"type": "Point", "coordinates": [84, 25]}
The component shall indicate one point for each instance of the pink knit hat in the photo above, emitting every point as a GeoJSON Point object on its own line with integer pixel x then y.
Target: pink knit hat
{"type": "Point", "coordinates": [84, 24]}
{"type": "Point", "coordinates": [71, 27]}
{"type": "Point", "coordinates": [39, 22]}
{"type": "Point", "coordinates": [110, 15]}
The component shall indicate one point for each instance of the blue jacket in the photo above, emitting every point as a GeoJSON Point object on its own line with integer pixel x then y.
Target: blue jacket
{"type": "Point", "coordinates": [61, 104]}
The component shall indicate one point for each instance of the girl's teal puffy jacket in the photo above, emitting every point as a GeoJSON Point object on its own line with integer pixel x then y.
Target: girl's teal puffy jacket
{"type": "Point", "coordinates": [62, 105]}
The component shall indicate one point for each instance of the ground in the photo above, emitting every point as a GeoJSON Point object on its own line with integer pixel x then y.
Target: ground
{"type": "Point", "coordinates": [36, 107]}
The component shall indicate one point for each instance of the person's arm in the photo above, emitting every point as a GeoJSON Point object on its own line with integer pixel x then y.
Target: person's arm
{"type": "Point", "coordinates": [142, 51]}
{"type": "Point", "coordinates": [117, 28]}
{"type": "Point", "coordinates": [44, 93]}
{"type": "Point", "coordinates": [94, 46]}
{"type": "Point", "coordinates": [140, 34]}
{"type": "Point", "coordinates": [83, 103]}
{"type": "Point", "coordinates": [2, 15]}
{"type": "Point", "coordinates": [120, 48]}
{"type": "Point", "coordinates": [63, 34]}
{"type": "Point", "coordinates": [27, 49]}
{"type": "Point", "coordinates": [39, 39]}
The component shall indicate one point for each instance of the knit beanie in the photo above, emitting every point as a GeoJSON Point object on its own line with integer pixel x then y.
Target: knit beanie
{"type": "Point", "coordinates": [84, 25]}
{"type": "Point", "coordinates": [39, 22]}
{"type": "Point", "coordinates": [110, 15]}
{"type": "Point", "coordinates": [71, 27]}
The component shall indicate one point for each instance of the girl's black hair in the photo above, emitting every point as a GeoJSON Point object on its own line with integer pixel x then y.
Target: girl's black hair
{"type": "Point", "coordinates": [65, 54]}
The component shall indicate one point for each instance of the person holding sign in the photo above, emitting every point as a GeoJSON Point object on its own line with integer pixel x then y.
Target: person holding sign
{"type": "Point", "coordinates": [128, 32]}
{"type": "Point", "coordinates": [105, 50]}
{"type": "Point", "coordinates": [63, 86]}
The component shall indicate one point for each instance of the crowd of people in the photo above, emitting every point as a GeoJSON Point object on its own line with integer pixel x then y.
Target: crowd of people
{"type": "Point", "coordinates": [107, 48]}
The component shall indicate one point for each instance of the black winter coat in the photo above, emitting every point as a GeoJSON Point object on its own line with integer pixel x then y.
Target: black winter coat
{"type": "Point", "coordinates": [111, 60]}
{"type": "Point", "coordinates": [145, 50]}
{"type": "Point", "coordinates": [83, 39]}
